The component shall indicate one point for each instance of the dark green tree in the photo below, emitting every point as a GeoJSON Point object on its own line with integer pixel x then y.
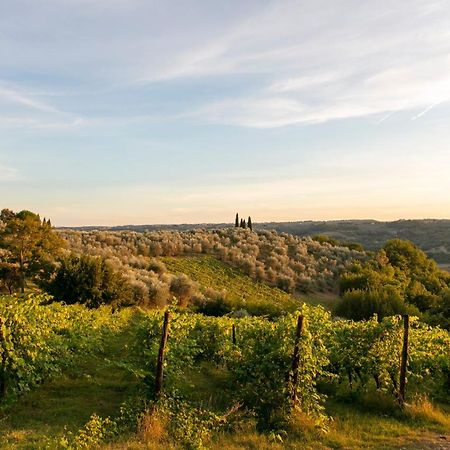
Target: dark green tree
{"type": "Point", "coordinates": [249, 223]}
{"type": "Point", "coordinates": [440, 313]}
{"type": "Point", "coordinates": [9, 277]}
{"type": "Point", "coordinates": [236, 222]}
{"type": "Point", "coordinates": [89, 280]}
{"type": "Point", "coordinates": [29, 244]}
{"type": "Point", "coordinates": [363, 304]}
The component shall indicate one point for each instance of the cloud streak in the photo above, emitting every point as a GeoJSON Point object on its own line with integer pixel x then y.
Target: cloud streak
{"type": "Point", "coordinates": [425, 111]}
{"type": "Point", "coordinates": [323, 67]}
{"type": "Point", "coordinates": [308, 61]}
{"type": "Point", "coordinates": [16, 97]}
{"type": "Point", "coordinates": [8, 174]}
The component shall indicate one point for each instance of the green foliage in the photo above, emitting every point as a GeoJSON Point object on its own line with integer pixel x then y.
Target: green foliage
{"type": "Point", "coordinates": [239, 291]}
{"type": "Point", "coordinates": [440, 312]}
{"type": "Point", "coordinates": [370, 351]}
{"type": "Point", "coordinates": [37, 341]}
{"type": "Point", "coordinates": [399, 278]}
{"type": "Point", "coordinates": [431, 235]}
{"type": "Point", "coordinates": [405, 256]}
{"type": "Point", "coordinates": [88, 280]}
{"type": "Point", "coordinates": [322, 239]}
{"type": "Point", "coordinates": [265, 256]}
{"type": "Point", "coordinates": [96, 431]}
{"type": "Point", "coordinates": [361, 304]}
{"type": "Point", "coordinates": [30, 246]}
{"type": "Point", "coordinates": [189, 425]}
{"type": "Point", "coordinates": [260, 366]}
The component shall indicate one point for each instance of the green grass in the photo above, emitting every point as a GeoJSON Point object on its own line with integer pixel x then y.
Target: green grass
{"type": "Point", "coordinates": [100, 386]}
{"type": "Point", "coordinates": [241, 290]}
{"type": "Point", "coordinates": [66, 403]}
{"type": "Point", "coordinates": [326, 299]}
{"type": "Point", "coordinates": [373, 421]}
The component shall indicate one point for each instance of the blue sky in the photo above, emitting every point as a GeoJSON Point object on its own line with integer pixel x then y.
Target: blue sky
{"type": "Point", "coordinates": [140, 111]}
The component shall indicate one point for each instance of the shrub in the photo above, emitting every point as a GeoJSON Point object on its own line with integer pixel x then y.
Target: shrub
{"type": "Point", "coordinates": [363, 304]}
{"type": "Point", "coordinates": [88, 280]}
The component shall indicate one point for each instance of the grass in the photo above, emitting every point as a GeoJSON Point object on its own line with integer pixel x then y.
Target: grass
{"type": "Point", "coordinates": [241, 290]}
{"type": "Point", "coordinates": [373, 421]}
{"type": "Point", "coordinates": [363, 427]}
{"type": "Point", "coordinates": [326, 299]}
{"type": "Point", "coordinates": [66, 404]}
{"type": "Point", "coordinates": [99, 385]}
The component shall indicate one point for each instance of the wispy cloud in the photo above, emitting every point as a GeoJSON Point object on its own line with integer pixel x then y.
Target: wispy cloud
{"type": "Point", "coordinates": [323, 67]}
{"type": "Point", "coordinates": [41, 123]}
{"type": "Point", "coordinates": [317, 100]}
{"type": "Point", "coordinates": [20, 98]}
{"type": "Point", "coordinates": [309, 62]}
{"type": "Point", "coordinates": [385, 117]}
{"type": "Point", "coordinates": [425, 111]}
{"type": "Point", "coordinates": [8, 174]}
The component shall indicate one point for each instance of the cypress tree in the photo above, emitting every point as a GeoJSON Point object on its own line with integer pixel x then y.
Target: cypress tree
{"type": "Point", "coordinates": [236, 223]}
{"type": "Point", "coordinates": [244, 225]}
{"type": "Point", "coordinates": [249, 223]}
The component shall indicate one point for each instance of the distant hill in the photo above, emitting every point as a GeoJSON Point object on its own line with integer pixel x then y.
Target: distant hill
{"type": "Point", "coordinates": [431, 235]}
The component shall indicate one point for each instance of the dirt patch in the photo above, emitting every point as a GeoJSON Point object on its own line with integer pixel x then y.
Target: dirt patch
{"type": "Point", "coordinates": [433, 442]}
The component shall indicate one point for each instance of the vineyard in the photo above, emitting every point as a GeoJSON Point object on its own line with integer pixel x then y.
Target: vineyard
{"type": "Point", "coordinates": [267, 371]}
{"type": "Point", "coordinates": [240, 290]}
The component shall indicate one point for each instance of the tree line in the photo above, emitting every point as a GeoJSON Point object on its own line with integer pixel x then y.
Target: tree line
{"type": "Point", "coordinates": [242, 223]}
{"type": "Point", "coordinates": [122, 268]}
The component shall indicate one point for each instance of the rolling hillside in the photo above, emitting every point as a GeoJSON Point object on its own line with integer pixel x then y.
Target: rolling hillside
{"type": "Point", "coordinates": [239, 289]}
{"type": "Point", "coordinates": [431, 235]}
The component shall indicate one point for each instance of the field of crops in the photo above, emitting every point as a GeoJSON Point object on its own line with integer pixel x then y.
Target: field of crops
{"type": "Point", "coordinates": [241, 290]}
{"type": "Point", "coordinates": [269, 370]}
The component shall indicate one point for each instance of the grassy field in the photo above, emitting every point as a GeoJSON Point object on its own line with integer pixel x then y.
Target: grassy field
{"type": "Point", "coordinates": [100, 386]}
{"type": "Point", "coordinates": [39, 419]}
{"type": "Point", "coordinates": [241, 290]}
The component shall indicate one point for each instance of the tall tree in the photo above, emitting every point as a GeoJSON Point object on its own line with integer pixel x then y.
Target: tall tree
{"type": "Point", "coordinates": [89, 280]}
{"type": "Point", "coordinates": [30, 243]}
{"type": "Point", "coordinates": [9, 276]}
{"type": "Point", "coordinates": [244, 225]}
{"type": "Point", "coordinates": [236, 223]}
{"type": "Point", "coordinates": [249, 223]}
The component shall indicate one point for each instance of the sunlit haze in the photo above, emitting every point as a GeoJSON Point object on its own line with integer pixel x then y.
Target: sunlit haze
{"type": "Point", "coordinates": [137, 111]}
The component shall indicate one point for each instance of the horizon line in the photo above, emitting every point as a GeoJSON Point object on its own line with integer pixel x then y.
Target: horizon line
{"type": "Point", "coordinates": [254, 223]}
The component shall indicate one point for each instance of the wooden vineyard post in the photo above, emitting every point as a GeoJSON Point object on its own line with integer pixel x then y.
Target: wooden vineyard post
{"type": "Point", "coordinates": [233, 333]}
{"type": "Point", "coordinates": [404, 361]}
{"type": "Point", "coordinates": [2, 364]}
{"type": "Point", "coordinates": [296, 358]}
{"type": "Point", "coordinates": [162, 346]}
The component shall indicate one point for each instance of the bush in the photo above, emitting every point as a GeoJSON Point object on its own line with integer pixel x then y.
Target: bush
{"type": "Point", "coordinates": [363, 304]}
{"type": "Point", "coordinates": [214, 304]}
{"type": "Point", "coordinates": [88, 280]}
{"type": "Point", "coordinates": [440, 313]}
{"type": "Point", "coordinates": [182, 289]}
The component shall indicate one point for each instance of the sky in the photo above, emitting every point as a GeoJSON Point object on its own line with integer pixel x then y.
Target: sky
{"type": "Point", "coordinates": [140, 111]}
